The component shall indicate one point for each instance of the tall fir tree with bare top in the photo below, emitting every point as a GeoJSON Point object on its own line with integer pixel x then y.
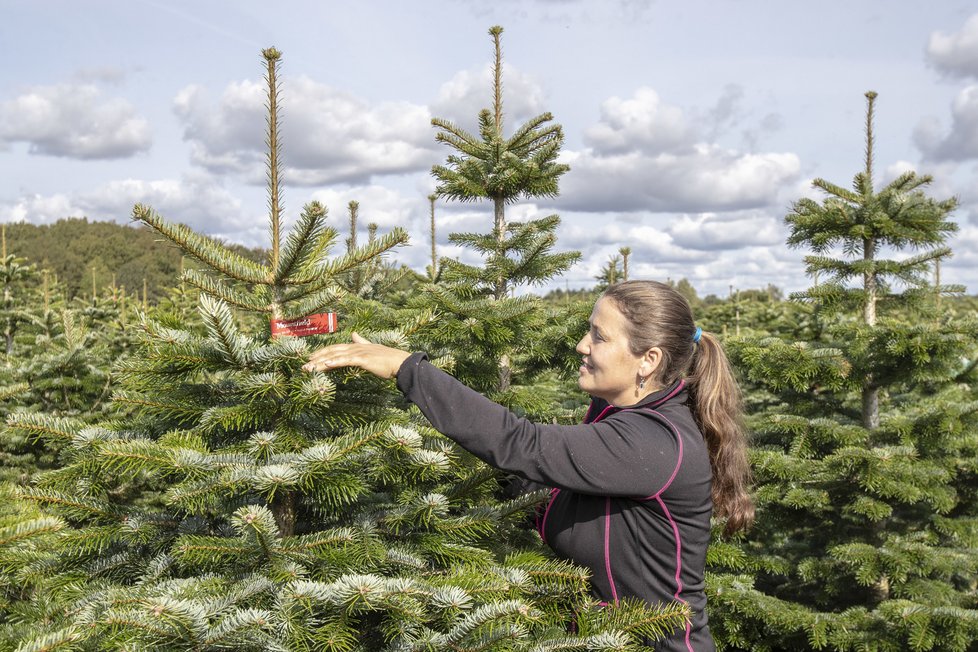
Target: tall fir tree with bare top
{"type": "Point", "coordinates": [484, 317]}
{"type": "Point", "coordinates": [865, 440]}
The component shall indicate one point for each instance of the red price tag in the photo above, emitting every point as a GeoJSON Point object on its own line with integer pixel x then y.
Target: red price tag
{"type": "Point", "coordinates": [312, 325]}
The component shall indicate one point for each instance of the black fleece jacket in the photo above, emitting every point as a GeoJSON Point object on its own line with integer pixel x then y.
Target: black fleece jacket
{"type": "Point", "coordinates": [631, 486]}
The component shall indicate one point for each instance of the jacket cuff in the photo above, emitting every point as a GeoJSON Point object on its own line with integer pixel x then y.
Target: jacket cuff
{"type": "Point", "coordinates": [408, 370]}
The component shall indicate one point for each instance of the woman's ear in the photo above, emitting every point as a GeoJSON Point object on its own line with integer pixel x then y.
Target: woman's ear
{"type": "Point", "coordinates": [650, 362]}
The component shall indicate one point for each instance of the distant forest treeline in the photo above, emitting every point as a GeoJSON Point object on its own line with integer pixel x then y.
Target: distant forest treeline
{"type": "Point", "coordinates": [85, 254]}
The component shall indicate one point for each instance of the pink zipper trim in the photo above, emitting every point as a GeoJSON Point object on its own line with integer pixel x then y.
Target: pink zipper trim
{"type": "Point", "coordinates": [672, 523]}
{"type": "Point", "coordinates": [607, 517]}
{"type": "Point", "coordinates": [676, 390]}
{"type": "Point", "coordinates": [607, 548]}
{"type": "Point", "coordinates": [603, 412]}
{"type": "Point", "coordinates": [543, 521]}
{"type": "Point", "coordinates": [679, 565]}
{"type": "Point", "coordinates": [655, 496]}
{"type": "Point", "coordinates": [679, 459]}
{"type": "Point", "coordinates": [588, 413]}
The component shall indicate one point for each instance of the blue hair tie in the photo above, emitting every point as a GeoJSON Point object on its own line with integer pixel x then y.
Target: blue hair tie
{"type": "Point", "coordinates": [696, 335]}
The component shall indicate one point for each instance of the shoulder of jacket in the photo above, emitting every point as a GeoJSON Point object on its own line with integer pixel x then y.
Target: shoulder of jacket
{"type": "Point", "coordinates": [670, 416]}
{"type": "Point", "coordinates": [639, 415]}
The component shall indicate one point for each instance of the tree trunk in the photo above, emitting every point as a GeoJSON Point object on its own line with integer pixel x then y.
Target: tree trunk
{"type": "Point", "coordinates": [434, 252]}
{"type": "Point", "coordinates": [501, 290]}
{"type": "Point", "coordinates": [8, 304]}
{"type": "Point", "coordinates": [499, 213]}
{"type": "Point", "coordinates": [881, 591]}
{"type": "Point", "coordinates": [871, 403]}
{"type": "Point", "coordinates": [869, 283]}
{"type": "Point", "coordinates": [283, 508]}
{"type": "Point", "coordinates": [505, 373]}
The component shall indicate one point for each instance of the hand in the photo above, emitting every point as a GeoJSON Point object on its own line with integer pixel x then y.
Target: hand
{"type": "Point", "coordinates": [382, 361]}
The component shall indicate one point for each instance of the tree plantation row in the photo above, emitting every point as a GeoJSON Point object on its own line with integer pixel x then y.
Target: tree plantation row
{"type": "Point", "coordinates": [173, 480]}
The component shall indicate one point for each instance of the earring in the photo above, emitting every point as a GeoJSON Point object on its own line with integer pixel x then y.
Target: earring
{"type": "Point", "coordinates": [641, 384]}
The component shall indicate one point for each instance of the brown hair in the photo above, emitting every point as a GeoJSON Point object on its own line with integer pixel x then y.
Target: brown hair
{"type": "Point", "coordinates": [659, 316]}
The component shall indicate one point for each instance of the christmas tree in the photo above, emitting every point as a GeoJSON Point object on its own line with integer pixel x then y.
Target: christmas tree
{"type": "Point", "coordinates": [58, 362]}
{"type": "Point", "coordinates": [493, 332]}
{"type": "Point", "coordinates": [18, 278]}
{"type": "Point", "coordinates": [865, 441]}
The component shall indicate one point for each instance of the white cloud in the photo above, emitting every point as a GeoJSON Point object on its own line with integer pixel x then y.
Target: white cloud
{"type": "Point", "coordinates": [197, 202]}
{"type": "Point", "coordinates": [961, 142]}
{"type": "Point", "coordinates": [708, 178]}
{"type": "Point", "coordinates": [710, 232]}
{"type": "Point", "coordinates": [713, 250]}
{"type": "Point", "coordinates": [967, 195]}
{"type": "Point", "coordinates": [39, 209]}
{"type": "Point", "coordinates": [477, 217]}
{"type": "Point", "coordinates": [895, 169]}
{"type": "Point", "coordinates": [641, 123]}
{"type": "Point", "coordinates": [73, 121]}
{"type": "Point", "coordinates": [956, 54]}
{"type": "Point", "coordinates": [649, 240]}
{"type": "Point", "coordinates": [655, 256]}
{"type": "Point", "coordinates": [645, 155]}
{"type": "Point", "coordinates": [963, 263]}
{"type": "Point", "coordinates": [328, 136]}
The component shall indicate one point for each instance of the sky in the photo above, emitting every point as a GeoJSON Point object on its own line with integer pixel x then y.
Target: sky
{"type": "Point", "coordinates": [690, 126]}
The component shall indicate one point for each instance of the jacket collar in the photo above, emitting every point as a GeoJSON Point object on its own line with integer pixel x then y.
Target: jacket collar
{"type": "Point", "coordinates": [600, 408]}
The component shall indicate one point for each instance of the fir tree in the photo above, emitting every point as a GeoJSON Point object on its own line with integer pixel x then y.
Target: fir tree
{"type": "Point", "coordinates": [483, 318]}
{"type": "Point", "coordinates": [864, 222]}
{"type": "Point", "coordinates": [18, 277]}
{"type": "Point", "coordinates": [610, 274]}
{"type": "Point", "coordinates": [247, 505]}
{"type": "Point", "coordinates": [178, 306]}
{"type": "Point", "coordinates": [58, 366]}
{"type": "Point", "coordinates": [866, 442]}
{"type": "Point", "coordinates": [374, 278]}
{"type": "Point", "coordinates": [625, 253]}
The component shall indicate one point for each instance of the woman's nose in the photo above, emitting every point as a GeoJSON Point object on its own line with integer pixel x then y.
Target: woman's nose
{"type": "Point", "coordinates": [582, 346]}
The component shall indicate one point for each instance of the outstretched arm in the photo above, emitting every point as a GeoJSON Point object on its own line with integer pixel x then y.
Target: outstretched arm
{"type": "Point", "coordinates": [627, 454]}
{"type": "Point", "coordinates": [382, 361]}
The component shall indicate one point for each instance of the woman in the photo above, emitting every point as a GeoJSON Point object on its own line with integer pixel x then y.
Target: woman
{"type": "Point", "coordinates": [661, 448]}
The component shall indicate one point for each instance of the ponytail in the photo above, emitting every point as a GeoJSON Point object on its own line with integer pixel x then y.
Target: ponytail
{"type": "Point", "coordinates": [718, 409]}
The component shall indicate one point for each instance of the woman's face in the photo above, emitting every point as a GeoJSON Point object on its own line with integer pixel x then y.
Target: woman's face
{"type": "Point", "coordinates": [610, 370]}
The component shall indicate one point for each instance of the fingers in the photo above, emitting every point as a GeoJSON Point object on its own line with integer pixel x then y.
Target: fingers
{"type": "Point", "coordinates": [381, 361]}
{"type": "Point", "coordinates": [328, 357]}
{"type": "Point", "coordinates": [356, 354]}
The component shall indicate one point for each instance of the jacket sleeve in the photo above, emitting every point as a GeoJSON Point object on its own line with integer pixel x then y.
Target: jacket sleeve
{"type": "Point", "coordinates": [630, 453]}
